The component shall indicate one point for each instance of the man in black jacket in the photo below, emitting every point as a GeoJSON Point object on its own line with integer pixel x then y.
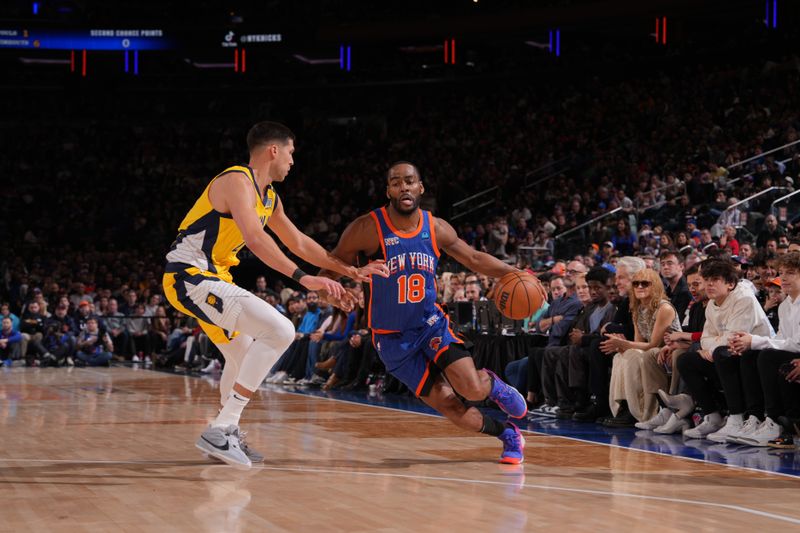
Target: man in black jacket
{"type": "Point", "coordinates": [601, 353]}
{"type": "Point", "coordinates": [583, 335]}
{"type": "Point", "coordinates": [770, 230]}
{"type": "Point", "coordinates": [674, 283]}
{"type": "Point", "coordinates": [32, 329]}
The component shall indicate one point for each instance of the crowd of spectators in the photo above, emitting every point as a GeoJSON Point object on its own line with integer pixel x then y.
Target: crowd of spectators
{"type": "Point", "coordinates": [671, 347]}
{"type": "Point", "coordinates": [648, 184]}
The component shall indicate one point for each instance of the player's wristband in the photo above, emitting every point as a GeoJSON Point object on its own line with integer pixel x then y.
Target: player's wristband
{"type": "Point", "coordinates": [298, 274]}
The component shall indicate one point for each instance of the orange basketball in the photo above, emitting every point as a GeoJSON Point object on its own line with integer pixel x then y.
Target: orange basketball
{"type": "Point", "coordinates": [518, 295]}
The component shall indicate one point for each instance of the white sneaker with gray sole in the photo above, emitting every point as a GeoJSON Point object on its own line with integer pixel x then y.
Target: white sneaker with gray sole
{"type": "Point", "coordinates": [768, 430]}
{"type": "Point", "coordinates": [223, 443]}
{"type": "Point", "coordinates": [711, 424]}
{"type": "Point", "coordinates": [749, 427]}
{"type": "Point", "coordinates": [251, 454]}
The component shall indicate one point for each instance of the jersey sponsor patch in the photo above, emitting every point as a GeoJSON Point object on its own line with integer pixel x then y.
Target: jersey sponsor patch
{"type": "Point", "coordinates": [214, 301]}
{"type": "Point", "coordinates": [426, 235]}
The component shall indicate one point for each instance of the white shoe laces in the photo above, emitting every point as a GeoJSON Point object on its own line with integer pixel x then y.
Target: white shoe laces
{"type": "Point", "coordinates": [243, 443]}
{"type": "Point", "coordinates": [765, 428]}
{"type": "Point", "coordinates": [750, 426]}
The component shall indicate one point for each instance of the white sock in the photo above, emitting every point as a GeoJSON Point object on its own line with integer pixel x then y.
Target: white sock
{"type": "Point", "coordinates": [232, 411]}
{"type": "Point", "coordinates": [737, 418]}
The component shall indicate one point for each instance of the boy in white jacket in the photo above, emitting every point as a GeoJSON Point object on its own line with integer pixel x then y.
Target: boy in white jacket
{"type": "Point", "coordinates": [781, 393]}
{"type": "Point", "coordinates": [731, 307]}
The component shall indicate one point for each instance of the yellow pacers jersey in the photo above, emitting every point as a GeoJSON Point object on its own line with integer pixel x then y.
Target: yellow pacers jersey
{"type": "Point", "coordinates": [209, 240]}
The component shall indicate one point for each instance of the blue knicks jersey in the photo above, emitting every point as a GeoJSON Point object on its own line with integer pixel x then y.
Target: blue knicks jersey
{"type": "Point", "coordinates": [407, 298]}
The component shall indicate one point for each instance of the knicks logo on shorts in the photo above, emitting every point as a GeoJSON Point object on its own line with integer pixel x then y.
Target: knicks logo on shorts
{"type": "Point", "coordinates": [214, 301]}
{"type": "Point", "coordinates": [435, 343]}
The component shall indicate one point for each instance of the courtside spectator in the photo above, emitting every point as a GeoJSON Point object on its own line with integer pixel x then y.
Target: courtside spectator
{"type": "Point", "coordinates": [94, 347]}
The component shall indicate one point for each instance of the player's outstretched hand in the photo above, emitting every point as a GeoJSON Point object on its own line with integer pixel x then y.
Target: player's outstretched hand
{"type": "Point", "coordinates": [346, 303]}
{"type": "Point", "coordinates": [377, 267]}
{"type": "Point", "coordinates": [333, 288]}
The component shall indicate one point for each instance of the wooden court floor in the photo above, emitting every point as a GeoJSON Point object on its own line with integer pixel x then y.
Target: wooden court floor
{"type": "Point", "coordinates": [112, 449]}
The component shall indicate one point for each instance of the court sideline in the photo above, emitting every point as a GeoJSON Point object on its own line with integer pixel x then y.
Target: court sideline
{"type": "Point", "coordinates": [101, 448]}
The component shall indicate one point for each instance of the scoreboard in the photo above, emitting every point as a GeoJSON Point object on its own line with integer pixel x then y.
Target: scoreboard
{"type": "Point", "coordinates": [119, 39]}
{"type": "Point", "coordinates": [90, 39]}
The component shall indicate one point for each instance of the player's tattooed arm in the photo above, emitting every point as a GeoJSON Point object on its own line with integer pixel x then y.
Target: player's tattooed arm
{"type": "Point", "coordinates": [481, 262]}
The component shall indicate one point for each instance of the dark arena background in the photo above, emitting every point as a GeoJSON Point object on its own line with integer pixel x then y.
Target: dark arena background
{"type": "Point", "coordinates": [639, 158]}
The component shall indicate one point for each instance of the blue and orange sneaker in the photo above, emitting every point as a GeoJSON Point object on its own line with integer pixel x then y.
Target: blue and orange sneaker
{"type": "Point", "coordinates": [507, 397]}
{"type": "Point", "coordinates": [513, 445]}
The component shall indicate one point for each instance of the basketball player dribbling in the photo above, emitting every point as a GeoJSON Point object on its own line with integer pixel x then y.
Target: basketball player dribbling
{"type": "Point", "coordinates": [250, 333]}
{"type": "Point", "coordinates": [411, 332]}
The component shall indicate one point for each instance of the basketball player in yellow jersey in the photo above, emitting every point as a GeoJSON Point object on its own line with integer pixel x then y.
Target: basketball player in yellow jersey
{"type": "Point", "coordinates": [230, 214]}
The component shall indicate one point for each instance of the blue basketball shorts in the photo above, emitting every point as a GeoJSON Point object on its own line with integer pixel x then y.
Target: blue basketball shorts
{"type": "Point", "coordinates": [417, 356]}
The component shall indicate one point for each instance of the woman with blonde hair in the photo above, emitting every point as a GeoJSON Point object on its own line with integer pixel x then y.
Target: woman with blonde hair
{"type": "Point", "coordinates": [634, 382]}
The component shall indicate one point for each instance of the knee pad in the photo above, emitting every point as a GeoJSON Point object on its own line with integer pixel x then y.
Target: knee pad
{"type": "Point", "coordinates": [284, 333]}
{"type": "Point", "coordinates": [262, 322]}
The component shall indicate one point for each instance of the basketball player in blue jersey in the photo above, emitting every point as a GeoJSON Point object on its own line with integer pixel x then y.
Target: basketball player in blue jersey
{"type": "Point", "coordinates": [231, 213]}
{"type": "Point", "coordinates": [410, 331]}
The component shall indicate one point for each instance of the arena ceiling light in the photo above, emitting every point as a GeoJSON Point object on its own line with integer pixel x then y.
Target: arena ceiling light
{"type": "Point", "coordinates": [208, 65]}
{"type": "Point", "coordinates": [536, 44]}
{"type": "Point", "coordinates": [320, 61]}
{"type": "Point", "coordinates": [43, 61]}
{"type": "Point", "coordinates": [422, 49]}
